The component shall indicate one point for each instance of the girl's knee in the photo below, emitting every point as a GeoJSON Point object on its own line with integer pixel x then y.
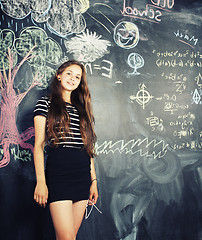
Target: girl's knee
{"type": "Point", "coordinates": [66, 236]}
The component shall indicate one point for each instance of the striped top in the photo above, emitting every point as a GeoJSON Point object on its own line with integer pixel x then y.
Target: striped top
{"type": "Point", "coordinates": [72, 138]}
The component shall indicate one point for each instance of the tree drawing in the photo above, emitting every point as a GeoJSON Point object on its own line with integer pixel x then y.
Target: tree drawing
{"type": "Point", "coordinates": [9, 103]}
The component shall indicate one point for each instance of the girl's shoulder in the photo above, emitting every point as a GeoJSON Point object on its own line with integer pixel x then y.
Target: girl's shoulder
{"type": "Point", "coordinates": [46, 100]}
{"type": "Point", "coordinates": [42, 106]}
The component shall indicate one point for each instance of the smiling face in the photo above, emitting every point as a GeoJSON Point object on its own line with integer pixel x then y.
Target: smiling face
{"type": "Point", "coordinates": [70, 78]}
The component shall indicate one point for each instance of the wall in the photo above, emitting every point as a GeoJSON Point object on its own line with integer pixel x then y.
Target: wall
{"type": "Point", "coordinates": [143, 60]}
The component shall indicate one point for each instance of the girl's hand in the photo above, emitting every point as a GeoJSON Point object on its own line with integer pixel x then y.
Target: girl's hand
{"type": "Point", "coordinates": [41, 194]}
{"type": "Point", "coordinates": [93, 193]}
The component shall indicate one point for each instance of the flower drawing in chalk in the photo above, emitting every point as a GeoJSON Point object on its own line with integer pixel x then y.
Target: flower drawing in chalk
{"type": "Point", "coordinates": [87, 47]}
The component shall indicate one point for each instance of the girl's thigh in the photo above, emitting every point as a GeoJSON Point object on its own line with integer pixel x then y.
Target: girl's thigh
{"type": "Point", "coordinates": [63, 219]}
{"type": "Point", "coordinates": [78, 213]}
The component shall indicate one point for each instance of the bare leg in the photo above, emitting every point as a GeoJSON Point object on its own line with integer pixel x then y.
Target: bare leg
{"type": "Point", "coordinates": [67, 218]}
{"type": "Point", "coordinates": [78, 213]}
{"type": "Point", "coordinates": [63, 220]}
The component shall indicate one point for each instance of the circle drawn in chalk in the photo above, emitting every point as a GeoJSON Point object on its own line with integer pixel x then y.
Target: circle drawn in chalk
{"type": "Point", "coordinates": [162, 170]}
{"type": "Point", "coordinates": [126, 35]}
{"type": "Point", "coordinates": [135, 61]}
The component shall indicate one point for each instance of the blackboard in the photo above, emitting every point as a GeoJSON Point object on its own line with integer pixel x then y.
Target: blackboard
{"type": "Point", "coordinates": [143, 62]}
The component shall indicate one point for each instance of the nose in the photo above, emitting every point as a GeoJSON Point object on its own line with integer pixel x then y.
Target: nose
{"type": "Point", "coordinates": [73, 77]}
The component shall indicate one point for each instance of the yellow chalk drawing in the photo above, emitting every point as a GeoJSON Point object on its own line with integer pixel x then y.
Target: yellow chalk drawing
{"type": "Point", "coordinates": [85, 4]}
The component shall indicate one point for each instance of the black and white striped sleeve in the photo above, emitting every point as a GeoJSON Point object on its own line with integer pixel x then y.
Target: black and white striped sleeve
{"type": "Point", "coordinates": [41, 107]}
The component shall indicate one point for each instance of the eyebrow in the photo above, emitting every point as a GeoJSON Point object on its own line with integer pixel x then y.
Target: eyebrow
{"type": "Point", "coordinates": [72, 71]}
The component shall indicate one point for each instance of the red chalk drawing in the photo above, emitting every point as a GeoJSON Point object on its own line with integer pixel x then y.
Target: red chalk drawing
{"type": "Point", "coordinates": [10, 101]}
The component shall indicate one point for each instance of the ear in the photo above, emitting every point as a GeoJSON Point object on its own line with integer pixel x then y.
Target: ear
{"type": "Point", "coordinates": [58, 77]}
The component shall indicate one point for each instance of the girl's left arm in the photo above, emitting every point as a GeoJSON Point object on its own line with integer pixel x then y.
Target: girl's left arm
{"type": "Point", "coordinates": [93, 189]}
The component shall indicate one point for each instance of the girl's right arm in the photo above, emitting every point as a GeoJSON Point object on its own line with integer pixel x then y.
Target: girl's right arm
{"type": "Point", "coordinates": [41, 190]}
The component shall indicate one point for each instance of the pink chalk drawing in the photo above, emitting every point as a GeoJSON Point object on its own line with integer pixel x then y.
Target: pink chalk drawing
{"type": "Point", "coordinates": [10, 101]}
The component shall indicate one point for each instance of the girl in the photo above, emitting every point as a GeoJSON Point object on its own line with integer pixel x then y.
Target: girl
{"type": "Point", "coordinates": [65, 121]}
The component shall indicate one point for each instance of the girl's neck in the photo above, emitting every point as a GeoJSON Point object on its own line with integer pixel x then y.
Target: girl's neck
{"type": "Point", "coordinates": [66, 97]}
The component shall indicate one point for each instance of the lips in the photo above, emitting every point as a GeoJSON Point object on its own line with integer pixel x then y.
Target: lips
{"type": "Point", "coordinates": [71, 83]}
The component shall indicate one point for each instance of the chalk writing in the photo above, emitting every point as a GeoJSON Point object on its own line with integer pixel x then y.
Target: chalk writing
{"type": "Point", "coordinates": [198, 80]}
{"type": "Point", "coordinates": [178, 59]}
{"type": "Point", "coordinates": [178, 54]}
{"type": "Point", "coordinates": [183, 124]}
{"type": "Point", "coordinates": [187, 145]}
{"type": "Point", "coordinates": [183, 133]}
{"type": "Point", "coordinates": [171, 107]}
{"type": "Point", "coordinates": [87, 47]}
{"type": "Point", "coordinates": [126, 35]}
{"type": "Point", "coordinates": [135, 61]}
{"type": "Point", "coordinates": [143, 97]}
{"type": "Point", "coordinates": [21, 154]}
{"type": "Point", "coordinates": [145, 147]}
{"type": "Point", "coordinates": [178, 79]}
{"type": "Point", "coordinates": [152, 12]}
{"type": "Point", "coordinates": [189, 40]}
{"type": "Point", "coordinates": [106, 69]}
{"type": "Point", "coordinates": [174, 63]}
{"type": "Point", "coordinates": [10, 100]}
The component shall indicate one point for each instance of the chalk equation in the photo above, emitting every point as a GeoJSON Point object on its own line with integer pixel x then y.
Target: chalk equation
{"type": "Point", "coordinates": [105, 68]}
{"type": "Point", "coordinates": [173, 59]}
{"type": "Point", "coordinates": [180, 81]}
{"type": "Point", "coordinates": [193, 145]}
{"type": "Point", "coordinates": [198, 80]}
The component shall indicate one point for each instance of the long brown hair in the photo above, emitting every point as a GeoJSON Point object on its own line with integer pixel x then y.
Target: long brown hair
{"type": "Point", "coordinates": [81, 99]}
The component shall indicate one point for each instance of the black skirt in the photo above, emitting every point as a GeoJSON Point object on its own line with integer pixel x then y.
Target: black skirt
{"type": "Point", "coordinates": [68, 174]}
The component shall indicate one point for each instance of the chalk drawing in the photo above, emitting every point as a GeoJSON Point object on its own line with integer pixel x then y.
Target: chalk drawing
{"type": "Point", "coordinates": [163, 170]}
{"type": "Point", "coordinates": [87, 47]}
{"type": "Point", "coordinates": [135, 61]}
{"type": "Point", "coordinates": [101, 13]}
{"type": "Point", "coordinates": [47, 51]}
{"type": "Point", "coordinates": [85, 4]}
{"type": "Point", "coordinates": [61, 17]}
{"type": "Point", "coordinates": [9, 103]}
{"type": "Point", "coordinates": [196, 98]}
{"type": "Point", "coordinates": [7, 38]}
{"type": "Point", "coordinates": [155, 122]}
{"type": "Point", "coordinates": [143, 97]}
{"type": "Point", "coordinates": [126, 35]}
{"type": "Point", "coordinates": [145, 147]}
